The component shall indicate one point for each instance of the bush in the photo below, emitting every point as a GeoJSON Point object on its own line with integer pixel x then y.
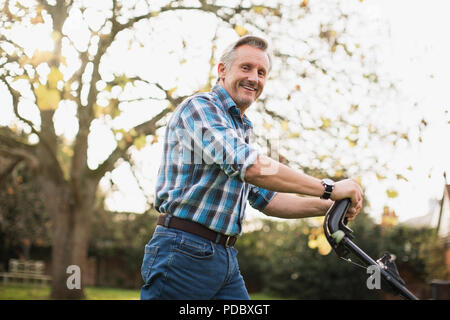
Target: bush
{"type": "Point", "coordinates": [290, 259]}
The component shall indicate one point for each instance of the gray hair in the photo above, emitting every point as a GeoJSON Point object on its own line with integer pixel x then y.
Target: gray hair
{"type": "Point", "coordinates": [256, 42]}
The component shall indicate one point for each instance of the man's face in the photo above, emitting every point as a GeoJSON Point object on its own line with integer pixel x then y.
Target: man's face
{"type": "Point", "coordinates": [244, 80]}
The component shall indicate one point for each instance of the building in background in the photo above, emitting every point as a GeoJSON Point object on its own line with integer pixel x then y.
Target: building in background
{"type": "Point", "coordinates": [438, 218]}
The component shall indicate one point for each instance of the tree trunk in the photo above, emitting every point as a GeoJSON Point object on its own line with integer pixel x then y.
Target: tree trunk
{"type": "Point", "coordinates": [71, 224]}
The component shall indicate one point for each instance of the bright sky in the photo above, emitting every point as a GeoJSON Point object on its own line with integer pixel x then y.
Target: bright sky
{"type": "Point", "coordinates": [416, 54]}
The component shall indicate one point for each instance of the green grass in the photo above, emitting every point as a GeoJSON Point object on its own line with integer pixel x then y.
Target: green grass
{"type": "Point", "coordinates": [30, 292]}
{"type": "Point", "coordinates": [23, 292]}
{"type": "Point", "coordinates": [36, 292]}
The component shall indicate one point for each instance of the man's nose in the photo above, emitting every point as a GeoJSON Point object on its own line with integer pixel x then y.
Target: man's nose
{"type": "Point", "coordinates": [253, 76]}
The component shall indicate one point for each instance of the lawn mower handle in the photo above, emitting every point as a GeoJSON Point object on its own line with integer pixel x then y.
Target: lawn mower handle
{"type": "Point", "coordinates": [336, 216]}
{"type": "Point", "coordinates": [340, 238]}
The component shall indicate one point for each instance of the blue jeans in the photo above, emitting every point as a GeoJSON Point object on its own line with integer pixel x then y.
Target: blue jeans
{"type": "Point", "coordinates": [181, 265]}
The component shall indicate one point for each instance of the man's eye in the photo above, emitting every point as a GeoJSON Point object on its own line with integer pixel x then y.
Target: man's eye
{"type": "Point", "coordinates": [245, 68]}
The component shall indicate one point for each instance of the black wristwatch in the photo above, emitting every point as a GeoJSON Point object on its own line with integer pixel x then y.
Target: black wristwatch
{"type": "Point", "coordinates": [329, 186]}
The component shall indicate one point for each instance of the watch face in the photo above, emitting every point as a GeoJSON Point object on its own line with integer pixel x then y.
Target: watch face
{"type": "Point", "coordinates": [328, 182]}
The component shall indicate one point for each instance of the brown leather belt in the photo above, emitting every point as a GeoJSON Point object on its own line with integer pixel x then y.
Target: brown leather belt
{"type": "Point", "coordinates": [197, 229]}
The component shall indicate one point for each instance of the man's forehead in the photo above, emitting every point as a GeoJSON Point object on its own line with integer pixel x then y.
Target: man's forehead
{"type": "Point", "coordinates": [253, 55]}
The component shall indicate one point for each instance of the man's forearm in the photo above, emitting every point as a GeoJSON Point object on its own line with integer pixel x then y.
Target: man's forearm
{"type": "Point", "coordinates": [272, 175]}
{"type": "Point", "coordinates": [290, 206]}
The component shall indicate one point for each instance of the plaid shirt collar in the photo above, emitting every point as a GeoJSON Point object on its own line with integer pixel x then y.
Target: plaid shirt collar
{"type": "Point", "coordinates": [228, 104]}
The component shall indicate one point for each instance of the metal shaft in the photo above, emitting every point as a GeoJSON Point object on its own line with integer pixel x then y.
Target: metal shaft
{"type": "Point", "coordinates": [400, 288]}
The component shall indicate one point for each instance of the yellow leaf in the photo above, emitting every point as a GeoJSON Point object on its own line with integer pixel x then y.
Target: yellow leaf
{"type": "Point", "coordinates": [47, 99]}
{"type": "Point", "coordinates": [258, 9]}
{"type": "Point", "coordinates": [401, 177]}
{"type": "Point", "coordinates": [323, 245]}
{"type": "Point", "coordinates": [133, 132]}
{"type": "Point", "coordinates": [101, 110]}
{"type": "Point", "coordinates": [267, 126]}
{"type": "Point", "coordinates": [351, 142]}
{"type": "Point", "coordinates": [22, 77]}
{"type": "Point", "coordinates": [285, 125]}
{"type": "Point", "coordinates": [391, 193]}
{"type": "Point", "coordinates": [324, 249]}
{"type": "Point", "coordinates": [122, 144]}
{"type": "Point", "coordinates": [312, 244]}
{"type": "Point", "coordinates": [339, 173]}
{"type": "Point", "coordinates": [53, 77]}
{"type": "Point", "coordinates": [113, 108]}
{"type": "Point", "coordinates": [380, 177]}
{"type": "Point", "coordinates": [354, 108]}
{"type": "Point", "coordinates": [241, 31]}
{"type": "Point", "coordinates": [128, 138]}
{"type": "Point", "coordinates": [326, 123]}
{"type": "Point", "coordinates": [171, 91]}
{"type": "Point", "coordinates": [40, 57]}
{"type": "Point", "coordinates": [140, 142]}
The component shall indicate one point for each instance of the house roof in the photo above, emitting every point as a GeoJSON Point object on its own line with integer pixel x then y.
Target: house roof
{"type": "Point", "coordinates": [440, 209]}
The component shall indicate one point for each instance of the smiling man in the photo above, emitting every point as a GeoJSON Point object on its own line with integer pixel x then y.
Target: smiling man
{"type": "Point", "coordinates": [242, 73]}
{"type": "Point", "coordinates": [209, 171]}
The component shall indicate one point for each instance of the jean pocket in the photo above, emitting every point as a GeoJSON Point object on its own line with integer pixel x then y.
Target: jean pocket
{"type": "Point", "coordinates": [149, 259]}
{"type": "Point", "coordinates": [195, 249]}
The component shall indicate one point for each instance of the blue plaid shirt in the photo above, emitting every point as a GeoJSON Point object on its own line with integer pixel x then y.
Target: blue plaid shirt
{"type": "Point", "coordinates": [206, 153]}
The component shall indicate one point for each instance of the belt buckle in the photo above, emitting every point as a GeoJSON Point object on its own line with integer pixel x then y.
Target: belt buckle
{"type": "Point", "coordinates": [227, 242]}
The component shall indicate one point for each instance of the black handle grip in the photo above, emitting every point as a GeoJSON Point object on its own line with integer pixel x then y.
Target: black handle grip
{"type": "Point", "coordinates": [335, 217]}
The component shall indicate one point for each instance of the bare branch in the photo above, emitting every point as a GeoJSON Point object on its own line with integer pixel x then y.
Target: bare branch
{"type": "Point", "coordinates": [12, 147]}
{"type": "Point", "coordinates": [148, 200]}
{"type": "Point", "coordinates": [8, 170]}
{"type": "Point", "coordinates": [15, 97]}
{"type": "Point", "coordinates": [21, 155]}
{"type": "Point", "coordinates": [146, 128]}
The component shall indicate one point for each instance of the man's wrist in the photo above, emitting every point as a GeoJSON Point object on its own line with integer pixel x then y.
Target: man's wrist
{"type": "Point", "coordinates": [328, 185]}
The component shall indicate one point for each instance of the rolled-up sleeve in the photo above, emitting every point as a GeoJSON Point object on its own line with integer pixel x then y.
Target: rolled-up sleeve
{"type": "Point", "coordinates": [259, 197]}
{"type": "Point", "coordinates": [207, 137]}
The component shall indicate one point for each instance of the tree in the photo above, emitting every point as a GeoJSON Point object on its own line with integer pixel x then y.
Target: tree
{"type": "Point", "coordinates": [67, 181]}
{"type": "Point", "coordinates": [23, 220]}
{"type": "Point", "coordinates": [85, 70]}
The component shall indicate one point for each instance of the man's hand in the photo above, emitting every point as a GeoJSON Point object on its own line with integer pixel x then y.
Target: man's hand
{"type": "Point", "coordinates": [349, 188]}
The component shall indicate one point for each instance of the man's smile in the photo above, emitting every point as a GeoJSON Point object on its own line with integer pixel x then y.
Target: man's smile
{"type": "Point", "coordinates": [248, 88]}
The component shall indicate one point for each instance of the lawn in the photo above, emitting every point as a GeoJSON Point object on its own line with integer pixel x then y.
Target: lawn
{"type": "Point", "coordinates": [30, 292]}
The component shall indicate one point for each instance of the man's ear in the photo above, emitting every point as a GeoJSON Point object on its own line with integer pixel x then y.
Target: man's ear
{"type": "Point", "coordinates": [221, 70]}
